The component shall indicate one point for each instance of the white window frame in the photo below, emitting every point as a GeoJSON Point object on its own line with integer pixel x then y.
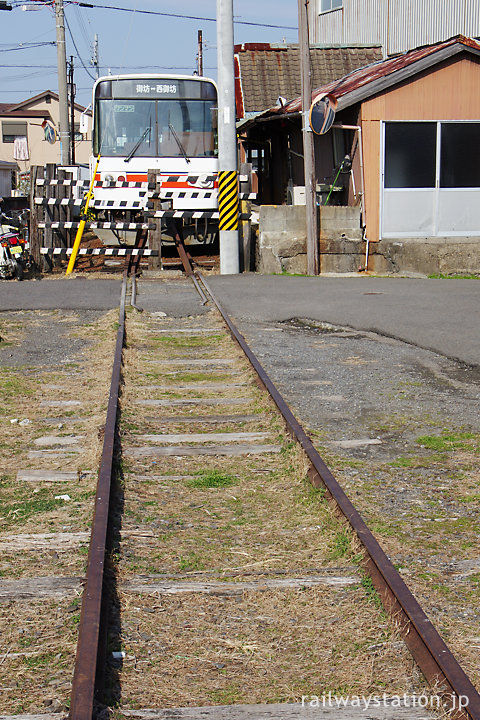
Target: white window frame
{"type": "Point", "coordinates": [330, 8]}
{"type": "Point", "coordinates": [437, 189]}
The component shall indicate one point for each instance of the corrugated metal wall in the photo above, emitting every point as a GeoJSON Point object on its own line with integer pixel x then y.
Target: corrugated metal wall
{"type": "Point", "coordinates": [329, 28]}
{"type": "Point", "coordinates": [365, 21]}
{"type": "Point", "coordinates": [399, 25]}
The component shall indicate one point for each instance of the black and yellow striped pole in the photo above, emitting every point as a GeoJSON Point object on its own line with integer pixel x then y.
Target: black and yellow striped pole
{"type": "Point", "coordinates": [228, 200]}
{"type": "Point", "coordinates": [227, 143]}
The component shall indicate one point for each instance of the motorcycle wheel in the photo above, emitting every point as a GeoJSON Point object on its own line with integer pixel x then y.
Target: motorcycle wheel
{"type": "Point", "coordinates": [18, 271]}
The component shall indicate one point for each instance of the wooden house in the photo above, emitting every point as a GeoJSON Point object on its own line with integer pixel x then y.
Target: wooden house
{"type": "Point", "coordinates": [411, 128]}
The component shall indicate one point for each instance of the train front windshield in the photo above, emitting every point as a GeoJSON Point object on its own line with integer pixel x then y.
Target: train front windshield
{"type": "Point", "coordinates": [155, 118]}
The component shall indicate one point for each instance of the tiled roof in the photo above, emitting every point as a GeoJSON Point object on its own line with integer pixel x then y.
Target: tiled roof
{"type": "Point", "coordinates": [24, 113]}
{"type": "Point", "coordinates": [5, 107]}
{"type": "Point", "coordinates": [264, 72]}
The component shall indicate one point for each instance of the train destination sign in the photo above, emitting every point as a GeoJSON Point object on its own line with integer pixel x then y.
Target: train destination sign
{"type": "Point", "coordinates": [154, 88]}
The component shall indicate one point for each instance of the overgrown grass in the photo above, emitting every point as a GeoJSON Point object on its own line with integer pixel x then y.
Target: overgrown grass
{"type": "Point", "coordinates": [191, 341]}
{"type": "Point", "coordinates": [201, 377]}
{"type": "Point", "coordinates": [212, 479]}
{"type": "Point", "coordinates": [370, 591]}
{"type": "Point", "coordinates": [22, 509]}
{"type": "Point", "coordinates": [446, 442]}
{"type": "Point", "coordinates": [341, 545]}
{"type": "Point", "coordinates": [454, 276]}
{"type": "Point", "coordinates": [12, 386]}
{"type": "Point", "coordinates": [192, 561]}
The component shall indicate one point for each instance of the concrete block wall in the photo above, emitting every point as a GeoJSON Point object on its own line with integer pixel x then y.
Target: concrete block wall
{"type": "Point", "coordinates": [282, 246]}
{"type": "Point", "coordinates": [282, 241]}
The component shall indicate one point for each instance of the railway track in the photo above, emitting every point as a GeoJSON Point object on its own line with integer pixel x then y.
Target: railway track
{"type": "Point", "coordinates": [218, 580]}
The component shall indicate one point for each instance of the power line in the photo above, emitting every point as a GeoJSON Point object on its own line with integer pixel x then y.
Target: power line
{"type": "Point", "coordinates": [27, 46]}
{"type": "Point", "coordinates": [175, 15]}
{"type": "Point", "coordinates": [113, 67]}
{"type": "Point", "coordinates": [83, 29]}
{"type": "Point", "coordinates": [78, 53]}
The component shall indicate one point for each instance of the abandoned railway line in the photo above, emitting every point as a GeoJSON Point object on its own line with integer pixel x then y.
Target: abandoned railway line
{"type": "Point", "coordinates": [227, 572]}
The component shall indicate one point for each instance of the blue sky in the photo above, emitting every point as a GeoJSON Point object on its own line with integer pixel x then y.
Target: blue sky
{"type": "Point", "coordinates": [128, 42]}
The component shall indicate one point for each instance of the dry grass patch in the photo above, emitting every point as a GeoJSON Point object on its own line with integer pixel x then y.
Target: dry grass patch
{"type": "Point", "coordinates": [424, 508]}
{"type": "Point", "coordinates": [38, 649]}
{"type": "Point", "coordinates": [259, 648]}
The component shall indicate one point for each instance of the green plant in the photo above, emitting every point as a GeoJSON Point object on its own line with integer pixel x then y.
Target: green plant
{"type": "Point", "coordinates": [341, 545]}
{"type": "Point", "coordinates": [212, 479]}
{"type": "Point", "coordinates": [370, 591]}
{"type": "Point", "coordinates": [445, 442]}
{"type": "Point", "coordinates": [192, 561]}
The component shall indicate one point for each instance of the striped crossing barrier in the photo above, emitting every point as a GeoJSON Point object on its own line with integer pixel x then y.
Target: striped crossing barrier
{"type": "Point", "coordinates": [187, 214]}
{"type": "Point", "coordinates": [182, 194]}
{"type": "Point", "coordinates": [97, 225]}
{"type": "Point", "coordinates": [77, 203]}
{"type": "Point", "coordinates": [111, 252]}
{"type": "Point", "coordinates": [98, 183]}
{"type": "Point", "coordinates": [119, 184]}
{"type": "Point", "coordinates": [64, 183]}
{"type": "Point", "coordinates": [192, 195]}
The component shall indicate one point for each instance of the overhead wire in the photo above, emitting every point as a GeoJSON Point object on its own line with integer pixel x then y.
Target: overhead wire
{"type": "Point", "coordinates": [81, 25]}
{"type": "Point", "coordinates": [178, 15]}
{"type": "Point", "coordinates": [23, 76]}
{"type": "Point", "coordinates": [164, 14]}
{"type": "Point", "coordinates": [112, 67]}
{"type": "Point", "coordinates": [26, 46]}
{"type": "Point", "coordinates": [76, 48]}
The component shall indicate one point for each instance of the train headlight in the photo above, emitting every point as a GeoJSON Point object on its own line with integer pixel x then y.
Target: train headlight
{"type": "Point", "coordinates": [109, 178]}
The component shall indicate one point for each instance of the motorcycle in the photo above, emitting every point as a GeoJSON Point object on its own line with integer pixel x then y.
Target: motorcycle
{"type": "Point", "coordinates": [14, 254]}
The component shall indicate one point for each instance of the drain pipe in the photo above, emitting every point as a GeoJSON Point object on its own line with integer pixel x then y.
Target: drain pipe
{"type": "Point", "coordinates": [358, 129]}
{"type": "Point", "coordinates": [366, 248]}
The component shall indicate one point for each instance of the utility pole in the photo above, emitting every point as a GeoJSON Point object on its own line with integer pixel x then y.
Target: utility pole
{"type": "Point", "coordinates": [200, 53]}
{"type": "Point", "coordinates": [227, 143]}
{"type": "Point", "coordinates": [62, 83]}
{"type": "Point", "coordinates": [72, 111]}
{"type": "Point", "coordinates": [308, 141]}
{"type": "Point", "coordinates": [95, 57]}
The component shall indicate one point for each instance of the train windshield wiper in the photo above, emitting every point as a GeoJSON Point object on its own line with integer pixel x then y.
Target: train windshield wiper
{"type": "Point", "coordinates": [137, 144]}
{"type": "Point", "coordinates": [179, 142]}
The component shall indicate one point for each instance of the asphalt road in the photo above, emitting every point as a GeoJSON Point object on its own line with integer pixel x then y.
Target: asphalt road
{"type": "Point", "coordinates": [438, 315]}
{"type": "Point", "coordinates": [60, 293]}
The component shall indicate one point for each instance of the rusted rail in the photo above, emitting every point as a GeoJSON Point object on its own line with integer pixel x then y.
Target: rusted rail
{"type": "Point", "coordinates": [432, 655]}
{"type": "Point", "coordinates": [89, 659]}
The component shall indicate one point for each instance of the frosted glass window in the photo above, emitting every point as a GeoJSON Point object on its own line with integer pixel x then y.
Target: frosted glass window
{"type": "Point", "coordinates": [410, 154]}
{"type": "Point", "coordinates": [460, 155]}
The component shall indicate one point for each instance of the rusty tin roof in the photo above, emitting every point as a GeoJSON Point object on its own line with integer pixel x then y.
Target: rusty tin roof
{"type": "Point", "coordinates": [378, 76]}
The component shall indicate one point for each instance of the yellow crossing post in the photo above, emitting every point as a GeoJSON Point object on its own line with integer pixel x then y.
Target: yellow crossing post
{"type": "Point", "coordinates": [81, 227]}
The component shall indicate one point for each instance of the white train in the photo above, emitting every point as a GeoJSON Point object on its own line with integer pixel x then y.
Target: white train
{"type": "Point", "coordinates": [166, 123]}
